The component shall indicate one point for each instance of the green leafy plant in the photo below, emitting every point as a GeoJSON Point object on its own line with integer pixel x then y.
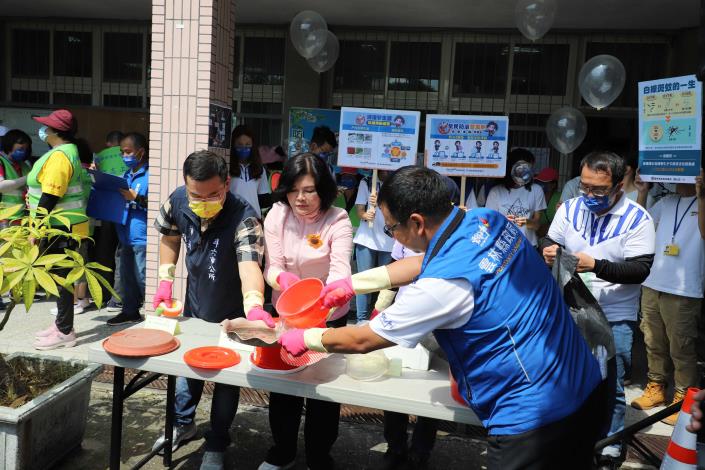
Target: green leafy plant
{"type": "Point", "coordinates": [25, 265]}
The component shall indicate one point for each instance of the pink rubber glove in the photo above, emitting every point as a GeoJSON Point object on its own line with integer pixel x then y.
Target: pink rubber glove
{"type": "Point", "coordinates": [285, 279]}
{"type": "Point", "coordinates": [163, 294]}
{"type": "Point", "coordinates": [258, 313]}
{"type": "Point", "coordinates": [293, 342]}
{"type": "Point", "coordinates": [337, 293]}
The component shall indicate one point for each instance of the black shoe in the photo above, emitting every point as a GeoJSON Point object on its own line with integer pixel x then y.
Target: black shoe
{"type": "Point", "coordinates": [415, 462]}
{"type": "Point", "coordinates": [123, 318]}
{"type": "Point", "coordinates": [606, 462]}
{"type": "Point", "coordinates": [393, 461]}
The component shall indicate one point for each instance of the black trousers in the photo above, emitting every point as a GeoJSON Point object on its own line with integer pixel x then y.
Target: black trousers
{"type": "Point", "coordinates": [106, 244]}
{"type": "Point", "coordinates": [567, 443]}
{"type": "Point", "coordinates": [422, 439]}
{"type": "Point", "coordinates": [64, 304]}
{"type": "Point", "coordinates": [320, 427]}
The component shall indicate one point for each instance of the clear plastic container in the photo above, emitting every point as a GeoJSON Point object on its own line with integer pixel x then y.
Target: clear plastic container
{"type": "Point", "coordinates": [366, 367]}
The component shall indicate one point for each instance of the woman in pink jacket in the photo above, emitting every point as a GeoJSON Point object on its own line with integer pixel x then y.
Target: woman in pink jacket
{"type": "Point", "coordinates": [305, 237]}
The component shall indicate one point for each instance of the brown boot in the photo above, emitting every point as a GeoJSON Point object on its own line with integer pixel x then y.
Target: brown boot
{"type": "Point", "coordinates": [671, 420]}
{"type": "Point", "coordinates": [654, 395]}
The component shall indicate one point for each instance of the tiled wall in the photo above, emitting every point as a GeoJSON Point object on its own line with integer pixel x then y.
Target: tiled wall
{"type": "Point", "coordinates": [192, 67]}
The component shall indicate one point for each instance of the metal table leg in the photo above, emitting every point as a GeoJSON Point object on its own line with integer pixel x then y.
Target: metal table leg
{"type": "Point", "coordinates": [169, 426]}
{"type": "Point", "coordinates": [116, 424]}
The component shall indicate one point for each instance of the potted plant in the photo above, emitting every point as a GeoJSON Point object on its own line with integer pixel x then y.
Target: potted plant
{"type": "Point", "coordinates": [43, 400]}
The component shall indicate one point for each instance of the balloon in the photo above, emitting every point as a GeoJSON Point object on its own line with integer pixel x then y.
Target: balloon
{"type": "Point", "coordinates": [566, 128]}
{"type": "Point", "coordinates": [601, 80]}
{"type": "Point", "coordinates": [534, 17]}
{"type": "Point", "coordinates": [325, 59]}
{"type": "Point", "coordinates": [308, 33]}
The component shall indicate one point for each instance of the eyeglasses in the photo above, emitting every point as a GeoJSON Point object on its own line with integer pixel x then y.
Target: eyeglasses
{"type": "Point", "coordinates": [389, 229]}
{"type": "Point", "coordinates": [598, 191]}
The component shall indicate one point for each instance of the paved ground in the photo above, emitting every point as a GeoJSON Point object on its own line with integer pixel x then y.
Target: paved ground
{"type": "Point", "coordinates": [353, 450]}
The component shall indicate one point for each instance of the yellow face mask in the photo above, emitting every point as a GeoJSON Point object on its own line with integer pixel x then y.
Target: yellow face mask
{"type": "Point", "coordinates": [206, 208]}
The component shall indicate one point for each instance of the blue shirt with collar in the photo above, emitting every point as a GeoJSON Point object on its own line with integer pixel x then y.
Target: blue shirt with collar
{"type": "Point", "coordinates": [134, 232]}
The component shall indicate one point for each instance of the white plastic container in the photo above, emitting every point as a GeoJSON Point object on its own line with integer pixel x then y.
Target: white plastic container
{"type": "Point", "coordinates": [418, 358]}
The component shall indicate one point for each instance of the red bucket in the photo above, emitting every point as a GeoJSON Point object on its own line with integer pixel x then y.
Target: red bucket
{"type": "Point", "coordinates": [299, 305]}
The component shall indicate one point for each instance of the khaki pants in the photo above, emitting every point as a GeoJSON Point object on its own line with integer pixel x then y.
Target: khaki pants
{"type": "Point", "coordinates": [670, 326]}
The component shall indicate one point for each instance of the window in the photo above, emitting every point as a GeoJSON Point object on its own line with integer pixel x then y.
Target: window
{"type": "Point", "coordinates": [30, 53]}
{"type": "Point", "coordinates": [540, 69]}
{"type": "Point", "coordinates": [360, 66]}
{"type": "Point", "coordinates": [122, 57]}
{"type": "Point", "coordinates": [642, 62]}
{"type": "Point", "coordinates": [72, 98]}
{"type": "Point", "coordinates": [27, 96]}
{"type": "Point", "coordinates": [264, 119]}
{"type": "Point", "coordinates": [480, 69]}
{"type": "Point", "coordinates": [122, 101]}
{"type": "Point", "coordinates": [73, 54]}
{"type": "Point", "coordinates": [415, 66]}
{"type": "Point", "coordinates": [264, 61]}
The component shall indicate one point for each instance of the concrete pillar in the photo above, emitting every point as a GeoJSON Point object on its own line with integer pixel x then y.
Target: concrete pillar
{"type": "Point", "coordinates": [191, 68]}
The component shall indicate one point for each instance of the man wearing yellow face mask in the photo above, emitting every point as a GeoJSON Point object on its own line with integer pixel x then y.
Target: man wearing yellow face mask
{"type": "Point", "coordinates": [224, 247]}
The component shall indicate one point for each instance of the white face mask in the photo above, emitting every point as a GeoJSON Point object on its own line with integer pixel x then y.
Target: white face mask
{"type": "Point", "coordinates": [42, 133]}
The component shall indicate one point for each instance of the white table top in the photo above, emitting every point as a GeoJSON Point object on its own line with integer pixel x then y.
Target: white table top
{"type": "Point", "coordinates": [421, 393]}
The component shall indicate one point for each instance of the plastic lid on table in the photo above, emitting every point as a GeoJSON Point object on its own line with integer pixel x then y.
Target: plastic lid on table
{"type": "Point", "coordinates": [140, 342]}
{"type": "Point", "coordinates": [211, 357]}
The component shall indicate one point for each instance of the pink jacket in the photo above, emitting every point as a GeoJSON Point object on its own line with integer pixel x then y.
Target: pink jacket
{"type": "Point", "coordinates": [319, 247]}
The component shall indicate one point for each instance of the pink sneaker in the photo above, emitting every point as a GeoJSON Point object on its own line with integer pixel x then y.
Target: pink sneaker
{"type": "Point", "coordinates": [56, 340]}
{"type": "Point", "coordinates": [41, 334]}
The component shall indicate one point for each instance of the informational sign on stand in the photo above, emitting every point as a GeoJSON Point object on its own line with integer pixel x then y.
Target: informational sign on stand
{"type": "Point", "coordinates": [670, 129]}
{"type": "Point", "coordinates": [467, 145]}
{"type": "Point", "coordinates": [379, 139]}
{"type": "Point", "coordinates": [302, 122]}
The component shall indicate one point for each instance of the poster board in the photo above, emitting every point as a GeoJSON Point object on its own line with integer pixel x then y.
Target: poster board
{"type": "Point", "coordinates": [220, 121]}
{"type": "Point", "coordinates": [459, 145]}
{"type": "Point", "coordinates": [380, 139]}
{"type": "Point", "coordinates": [670, 129]}
{"type": "Point", "coordinates": [302, 122]}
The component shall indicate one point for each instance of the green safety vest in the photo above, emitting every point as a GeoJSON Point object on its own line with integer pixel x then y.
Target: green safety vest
{"type": "Point", "coordinates": [109, 160]}
{"type": "Point", "coordinates": [74, 200]}
{"type": "Point", "coordinates": [13, 197]}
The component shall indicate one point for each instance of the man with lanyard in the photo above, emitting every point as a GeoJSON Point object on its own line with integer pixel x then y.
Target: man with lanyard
{"type": "Point", "coordinates": [671, 296]}
{"type": "Point", "coordinates": [613, 239]}
{"type": "Point", "coordinates": [57, 182]}
{"type": "Point", "coordinates": [224, 247]}
{"type": "Point", "coordinates": [517, 355]}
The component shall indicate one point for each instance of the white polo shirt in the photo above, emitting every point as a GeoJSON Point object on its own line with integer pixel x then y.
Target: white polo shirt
{"type": "Point", "coordinates": [682, 274]}
{"type": "Point", "coordinates": [249, 188]}
{"type": "Point", "coordinates": [626, 231]}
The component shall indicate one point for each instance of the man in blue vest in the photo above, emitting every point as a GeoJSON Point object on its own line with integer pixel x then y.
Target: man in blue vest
{"type": "Point", "coordinates": [485, 293]}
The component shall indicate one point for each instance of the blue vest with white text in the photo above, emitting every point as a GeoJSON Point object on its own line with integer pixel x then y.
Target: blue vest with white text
{"type": "Point", "coordinates": [520, 360]}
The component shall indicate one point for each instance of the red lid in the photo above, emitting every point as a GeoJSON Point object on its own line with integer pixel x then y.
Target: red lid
{"type": "Point", "coordinates": [211, 357]}
{"type": "Point", "coordinates": [140, 342]}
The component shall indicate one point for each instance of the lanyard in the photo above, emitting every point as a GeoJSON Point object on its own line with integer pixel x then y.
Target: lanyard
{"type": "Point", "coordinates": [676, 222]}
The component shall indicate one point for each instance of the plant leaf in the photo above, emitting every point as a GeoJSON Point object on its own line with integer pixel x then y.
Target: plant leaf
{"type": "Point", "coordinates": [7, 212]}
{"type": "Point", "coordinates": [45, 280]}
{"type": "Point", "coordinates": [61, 219]}
{"type": "Point", "coordinates": [28, 289]}
{"type": "Point", "coordinates": [75, 275]}
{"type": "Point", "coordinates": [48, 260]}
{"type": "Point", "coordinates": [33, 254]}
{"type": "Point", "coordinates": [62, 282]}
{"type": "Point", "coordinates": [98, 266]}
{"type": "Point", "coordinates": [94, 289]}
{"type": "Point", "coordinates": [12, 264]}
{"type": "Point", "coordinates": [107, 285]}
{"type": "Point", "coordinates": [12, 280]}
{"type": "Point", "coordinates": [75, 255]}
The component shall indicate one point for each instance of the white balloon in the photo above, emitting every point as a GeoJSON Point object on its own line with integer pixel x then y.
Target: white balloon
{"type": "Point", "coordinates": [566, 129]}
{"type": "Point", "coordinates": [601, 80]}
{"type": "Point", "coordinates": [308, 33]}
{"type": "Point", "coordinates": [325, 59]}
{"type": "Point", "coordinates": [534, 17]}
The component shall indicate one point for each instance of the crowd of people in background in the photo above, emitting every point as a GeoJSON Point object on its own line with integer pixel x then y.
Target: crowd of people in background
{"type": "Point", "coordinates": [640, 251]}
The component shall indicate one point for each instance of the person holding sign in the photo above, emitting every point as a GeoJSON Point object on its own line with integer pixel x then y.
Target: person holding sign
{"type": "Point", "coordinates": [517, 198]}
{"type": "Point", "coordinates": [672, 294]}
{"type": "Point", "coordinates": [224, 248]}
{"type": "Point", "coordinates": [109, 160]}
{"type": "Point", "coordinates": [133, 234]}
{"type": "Point", "coordinates": [372, 247]}
{"type": "Point", "coordinates": [510, 340]}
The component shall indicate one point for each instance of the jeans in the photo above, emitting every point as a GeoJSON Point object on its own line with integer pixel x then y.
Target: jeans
{"type": "Point", "coordinates": [368, 258]}
{"type": "Point", "coordinates": [133, 260]}
{"type": "Point", "coordinates": [623, 332]}
{"type": "Point", "coordinates": [223, 409]}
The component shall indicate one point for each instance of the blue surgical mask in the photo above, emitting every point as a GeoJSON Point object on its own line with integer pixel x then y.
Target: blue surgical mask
{"type": "Point", "coordinates": [130, 161]}
{"type": "Point", "coordinates": [243, 152]}
{"type": "Point", "coordinates": [325, 156]}
{"type": "Point", "coordinates": [19, 155]}
{"type": "Point", "coordinates": [42, 133]}
{"type": "Point", "coordinates": [597, 204]}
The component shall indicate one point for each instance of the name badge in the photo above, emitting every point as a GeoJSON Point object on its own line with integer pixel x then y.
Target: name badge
{"type": "Point", "coordinates": [671, 250]}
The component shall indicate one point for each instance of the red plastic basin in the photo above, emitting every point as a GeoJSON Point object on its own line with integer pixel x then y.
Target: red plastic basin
{"type": "Point", "coordinates": [299, 305]}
